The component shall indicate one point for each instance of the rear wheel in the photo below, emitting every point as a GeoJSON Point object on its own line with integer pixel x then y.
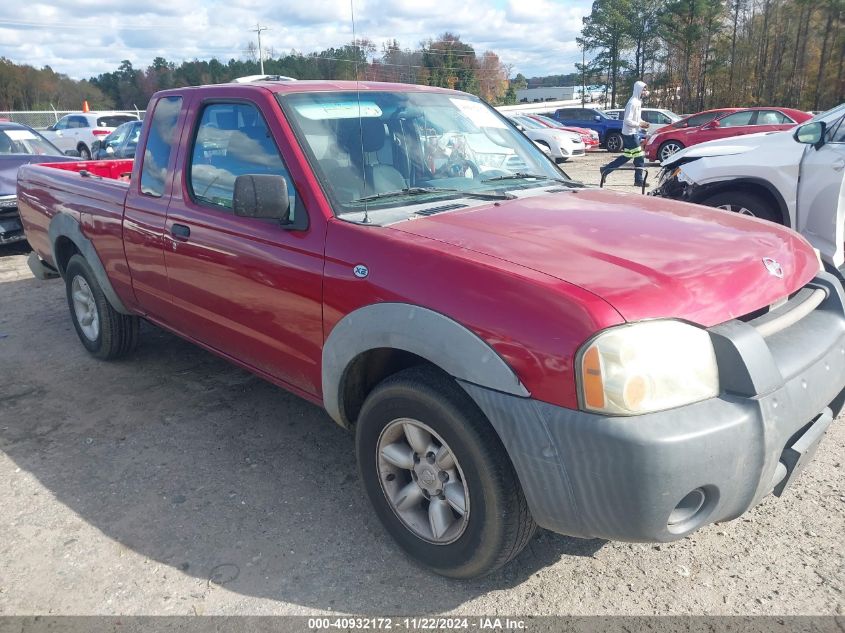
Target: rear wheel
{"type": "Point", "coordinates": [744, 203]}
{"type": "Point", "coordinates": [103, 331]}
{"type": "Point", "coordinates": [613, 142]}
{"type": "Point", "coordinates": [438, 477]}
{"type": "Point", "coordinates": [84, 152]}
{"type": "Point", "coordinates": [668, 148]}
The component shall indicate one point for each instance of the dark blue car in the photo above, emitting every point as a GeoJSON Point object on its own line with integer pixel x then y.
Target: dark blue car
{"type": "Point", "coordinates": [610, 130]}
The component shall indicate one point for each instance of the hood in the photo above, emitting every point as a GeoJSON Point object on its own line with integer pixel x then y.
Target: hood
{"type": "Point", "coordinates": [647, 257]}
{"type": "Point", "coordinates": [9, 164]}
{"type": "Point", "coordinates": [736, 145]}
{"type": "Point", "coordinates": [638, 89]}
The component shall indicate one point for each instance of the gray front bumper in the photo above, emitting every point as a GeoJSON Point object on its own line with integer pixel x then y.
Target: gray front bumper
{"type": "Point", "coordinates": [621, 478]}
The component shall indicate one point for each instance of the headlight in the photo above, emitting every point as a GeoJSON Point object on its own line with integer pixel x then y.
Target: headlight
{"type": "Point", "coordinates": [647, 366]}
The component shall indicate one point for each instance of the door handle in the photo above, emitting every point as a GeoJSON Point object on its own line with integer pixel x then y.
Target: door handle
{"type": "Point", "coordinates": [180, 232]}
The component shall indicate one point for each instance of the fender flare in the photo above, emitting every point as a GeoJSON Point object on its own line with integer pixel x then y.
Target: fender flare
{"type": "Point", "coordinates": [64, 225]}
{"type": "Point", "coordinates": [426, 333]}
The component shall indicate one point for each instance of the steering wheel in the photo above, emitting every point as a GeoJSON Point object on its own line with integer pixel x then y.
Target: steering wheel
{"type": "Point", "coordinates": [458, 169]}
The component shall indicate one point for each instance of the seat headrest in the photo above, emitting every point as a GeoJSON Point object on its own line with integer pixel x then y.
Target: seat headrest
{"type": "Point", "coordinates": [355, 133]}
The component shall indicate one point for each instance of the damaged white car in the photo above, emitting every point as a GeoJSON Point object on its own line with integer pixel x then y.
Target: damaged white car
{"type": "Point", "coordinates": [795, 178]}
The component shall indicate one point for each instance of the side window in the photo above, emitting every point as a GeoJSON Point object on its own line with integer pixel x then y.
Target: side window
{"type": "Point", "coordinates": [837, 133]}
{"type": "Point", "coordinates": [160, 142]}
{"type": "Point", "coordinates": [566, 114]}
{"type": "Point", "coordinates": [61, 124]}
{"type": "Point", "coordinates": [771, 117]}
{"type": "Point", "coordinates": [737, 119]}
{"type": "Point", "coordinates": [77, 122]}
{"type": "Point", "coordinates": [701, 119]}
{"type": "Point", "coordinates": [659, 118]}
{"type": "Point", "coordinates": [232, 140]}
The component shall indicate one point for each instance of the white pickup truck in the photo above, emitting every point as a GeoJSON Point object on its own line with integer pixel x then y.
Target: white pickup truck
{"type": "Point", "coordinates": [795, 178]}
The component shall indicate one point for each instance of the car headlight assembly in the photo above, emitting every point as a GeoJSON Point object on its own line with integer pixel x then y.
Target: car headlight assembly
{"type": "Point", "coordinates": [646, 367]}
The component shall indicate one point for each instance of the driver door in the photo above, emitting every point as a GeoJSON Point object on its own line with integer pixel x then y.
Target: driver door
{"type": "Point", "coordinates": [821, 195]}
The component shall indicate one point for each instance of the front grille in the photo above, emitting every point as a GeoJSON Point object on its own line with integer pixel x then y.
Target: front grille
{"type": "Point", "coordinates": [769, 321]}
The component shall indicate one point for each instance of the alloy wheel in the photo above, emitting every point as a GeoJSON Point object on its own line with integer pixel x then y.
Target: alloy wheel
{"type": "Point", "coordinates": [422, 481]}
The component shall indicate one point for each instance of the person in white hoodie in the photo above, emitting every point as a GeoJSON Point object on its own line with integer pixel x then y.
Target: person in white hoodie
{"type": "Point", "coordinates": [630, 134]}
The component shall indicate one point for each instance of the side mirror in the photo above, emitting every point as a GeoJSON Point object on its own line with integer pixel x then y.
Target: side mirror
{"type": "Point", "coordinates": [811, 133]}
{"type": "Point", "coordinates": [72, 152]}
{"type": "Point", "coordinates": [109, 149]}
{"type": "Point", "coordinates": [597, 118]}
{"type": "Point", "coordinates": [262, 196]}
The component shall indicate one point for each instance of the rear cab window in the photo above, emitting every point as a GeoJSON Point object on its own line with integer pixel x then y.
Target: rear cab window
{"type": "Point", "coordinates": [160, 141]}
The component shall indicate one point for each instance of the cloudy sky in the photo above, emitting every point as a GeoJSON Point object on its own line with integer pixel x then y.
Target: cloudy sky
{"type": "Point", "coordinates": [87, 37]}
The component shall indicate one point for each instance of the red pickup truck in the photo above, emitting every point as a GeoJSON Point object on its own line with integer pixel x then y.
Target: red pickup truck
{"type": "Point", "coordinates": [512, 348]}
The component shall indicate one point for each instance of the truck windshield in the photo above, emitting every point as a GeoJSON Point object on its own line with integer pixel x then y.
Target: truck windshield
{"type": "Point", "coordinates": [413, 146]}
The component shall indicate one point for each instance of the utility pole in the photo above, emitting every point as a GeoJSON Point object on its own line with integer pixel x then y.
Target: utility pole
{"type": "Point", "coordinates": [258, 29]}
{"type": "Point", "coordinates": [583, 74]}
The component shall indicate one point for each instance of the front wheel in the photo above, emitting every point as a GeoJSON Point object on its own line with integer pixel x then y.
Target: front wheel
{"type": "Point", "coordinates": [103, 331]}
{"type": "Point", "coordinates": [614, 142]}
{"type": "Point", "coordinates": [438, 477]}
{"type": "Point", "coordinates": [669, 148]}
{"type": "Point", "coordinates": [744, 203]}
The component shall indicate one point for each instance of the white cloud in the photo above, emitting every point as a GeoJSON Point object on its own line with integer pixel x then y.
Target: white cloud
{"type": "Point", "coordinates": [87, 37]}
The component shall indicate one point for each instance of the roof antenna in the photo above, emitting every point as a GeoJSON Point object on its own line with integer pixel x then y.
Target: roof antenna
{"type": "Point", "coordinates": [360, 122]}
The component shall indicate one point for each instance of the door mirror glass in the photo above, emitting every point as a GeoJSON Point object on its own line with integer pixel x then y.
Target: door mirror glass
{"type": "Point", "coordinates": [811, 133]}
{"type": "Point", "coordinates": [262, 196]}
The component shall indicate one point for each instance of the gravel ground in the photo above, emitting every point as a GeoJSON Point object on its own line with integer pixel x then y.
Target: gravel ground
{"type": "Point", "coordinates": [174, 483]}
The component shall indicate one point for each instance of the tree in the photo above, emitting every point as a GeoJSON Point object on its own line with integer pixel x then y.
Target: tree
{"type": "Point", "coordinates": [608, 29]}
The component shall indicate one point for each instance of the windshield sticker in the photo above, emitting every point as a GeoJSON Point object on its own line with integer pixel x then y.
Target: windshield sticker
{"type": "Point", "coordinates": [20, 135]}
{"type": "Point", "coordinates": [478, 113]}
{"type": "Point", "coordinates": [338, 110]}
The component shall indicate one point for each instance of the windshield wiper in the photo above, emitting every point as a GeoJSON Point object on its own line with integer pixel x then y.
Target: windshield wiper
{"type": "Point", "coordinates": [525, 175]}
{"type": "Point", "coordinates": [417, 191]}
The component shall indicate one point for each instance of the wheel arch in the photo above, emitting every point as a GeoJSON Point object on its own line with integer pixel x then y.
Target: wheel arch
{"type": "Point", "coordinates": [379, 340]}
{"type": "Point", "coordinates": [66, 240]}
{"type": "Point", "coordinates": [757, 186]}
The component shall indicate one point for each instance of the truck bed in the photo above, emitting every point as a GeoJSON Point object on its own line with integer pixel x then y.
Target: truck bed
{"type": "Point", "coordinates": [92, 192]}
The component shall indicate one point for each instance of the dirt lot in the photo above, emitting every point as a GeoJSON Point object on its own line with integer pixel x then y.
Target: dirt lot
{"type": "Point", "coordinates": [173, 483]}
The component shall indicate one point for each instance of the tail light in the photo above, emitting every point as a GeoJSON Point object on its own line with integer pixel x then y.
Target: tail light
{"type": "Point", "coordinates": [101, 132]}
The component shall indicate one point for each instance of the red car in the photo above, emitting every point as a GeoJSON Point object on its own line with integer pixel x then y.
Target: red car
{"type": "Point", "coordinates": [711, 125]}
{"type": "Point", "coordinates": [590, 137]}
{"type": "Point", "coordinates": [510, 348]}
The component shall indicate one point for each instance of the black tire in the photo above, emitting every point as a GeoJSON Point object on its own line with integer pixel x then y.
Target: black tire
{"type": "Point", "coordinates": [668, 148]}
{"type": "Point", "coordinates": [117, 333]}
{"type": "Point", "coordinates": [499, 524]}
{"type": "Point", "coordinates": [745, 203]}
{"type": "Point", "coordinates": [613, 142]}
{"type": "Point", "coordinates": [84, 152]}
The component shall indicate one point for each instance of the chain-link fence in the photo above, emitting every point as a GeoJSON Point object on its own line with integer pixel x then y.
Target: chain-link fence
{"type": "Point", "coordinates": [41, 119]}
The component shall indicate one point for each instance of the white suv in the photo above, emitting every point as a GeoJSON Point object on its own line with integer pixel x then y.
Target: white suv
{"type": "Point", "coordinates": [795, 178]}
{"type": "Point", "coordinates": [657, 117]}
{"type": "Point", "coordinates": [78, 131]}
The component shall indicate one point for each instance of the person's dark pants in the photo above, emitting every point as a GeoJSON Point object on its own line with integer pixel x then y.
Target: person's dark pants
{"type": "Point", "coordinates": [630, 149]}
